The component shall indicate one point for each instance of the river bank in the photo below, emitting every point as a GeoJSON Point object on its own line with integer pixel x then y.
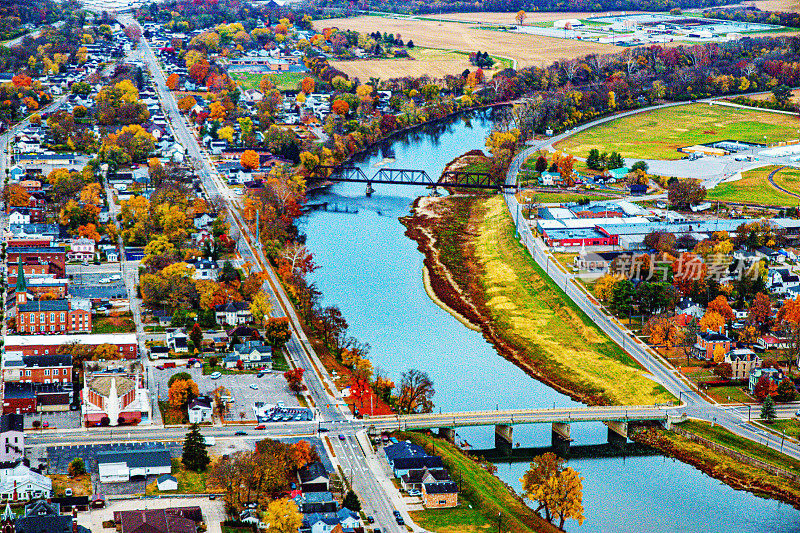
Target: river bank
{"type": "Point", "coordinates": [480, 273]}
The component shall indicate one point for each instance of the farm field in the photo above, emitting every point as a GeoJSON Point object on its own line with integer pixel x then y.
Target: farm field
{"type": "Point", "coordinates": [534, 313]}
{"type": "Point", "coordinates": [528, 50]}
{"type": "Point", "coordinates": [768, 96]}
{"type": "Point", "coordinates": [778, 5]}
{"type": "Point", "coordinates": [658, 134]}
{"type": "Point", "coordinates": [431, 61]}
{"type": "Point", "coordinates": [754, 188]}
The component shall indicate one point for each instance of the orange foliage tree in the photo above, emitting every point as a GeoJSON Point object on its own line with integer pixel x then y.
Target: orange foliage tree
{"type": "Point", "coordinates": [249, 159]}
{"type": "Point", "coordinates": [340, 107]}
{"type": "Point", "coordinates": [721, 306]}
{"type": "Point", "coordinates": [182, 391]}
{"type": "Point", "coordinates": [712, 321]}
{"type": "Point", "coordinates": [172, 81]}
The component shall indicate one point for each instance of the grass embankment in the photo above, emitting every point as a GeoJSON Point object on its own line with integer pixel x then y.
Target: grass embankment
{"type": "Point", "coordinates": [755, 188]}
{"type": "Point", "coordinates": [485, 492]}
{"type": "Point", "coordinates": [738, 475]}
{"type": "Point", "coordinates": [189, 482]}
{"type": "Point", "coordinates": [284, 81]}
{"type": "Point", "coordinates": [744, 446]}
{"type": "Point", "coordinates": [658, 134]}
{"type": "Point", "coordinates": [789, 426]}
{"type": "Point", "coordinates": [547, 328]}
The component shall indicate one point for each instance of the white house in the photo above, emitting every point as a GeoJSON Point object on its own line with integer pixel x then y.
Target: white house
{"type": "Point", "coordinates": [203, 220]}
{"type": "Point", "coordinates": [167, 482]}
{"type": "Point", "coordinates": [200, 411]}
{"type": "Point", "coordinates": [12, 438]}
{"type": "Point", "coordinates": [253, 354]}
{"type": "Point", "coordinates": [176, 341]}
{"type": "Point", "coordinates": [118, 466]}
{"type": "Point", "coordinates": [233, 313]}
{"type": "Point", "coordinates": [325, 522]}
{"type": "Point", "coordinates": [81, 250]}
{"type": "Point", "coordinates": [18, 482]}
{"type": "Point", "coordinates": [19, 216]}
{"type": "Point", "coordinates": [205, 269]}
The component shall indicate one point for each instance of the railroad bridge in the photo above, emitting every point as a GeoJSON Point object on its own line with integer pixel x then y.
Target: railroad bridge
{"type": "Point", "coordinates": [407, 176]}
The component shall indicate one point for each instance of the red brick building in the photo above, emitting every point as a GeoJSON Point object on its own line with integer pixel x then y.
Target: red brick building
{"type": "Point", "coordinates": [53, 316]}
{"type": "Point", "coordinates": [48, 344]}
{"type": "Point", "coordinates": [54, 256]}
{"type": "Point", "coordinates": [37, 368]}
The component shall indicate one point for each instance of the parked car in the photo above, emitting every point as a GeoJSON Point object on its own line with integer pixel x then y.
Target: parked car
{"type": "Point", "coordinates": [371, 519]}
{"type": "Point", "coordinates": [240, 433]}
{"type": "Point", "coordinates": [254, 386]}
{"type": "Point", "coordinates": [160, 367]}
{"type": "Point", "coordinates": [341, 437]}
{"type": "Point", "coordinates": [215, 375]}
{"type": "Point", "coordinates": [260, 426]}
{"type": "Point", "coordinates": [414, 492]}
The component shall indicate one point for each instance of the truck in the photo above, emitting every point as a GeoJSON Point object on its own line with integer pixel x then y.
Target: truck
{"type": "Point", "coordinates": [209, 441]}
{"type": "Point", "coordinates": [169, 364]}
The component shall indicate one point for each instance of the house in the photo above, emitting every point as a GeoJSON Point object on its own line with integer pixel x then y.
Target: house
{"type": "Point", "coordinates": [176, 341]}
{"type": "Point", "coordinates": [167, 482]}
{"type": "Point", "coordinates": [316, 502]}
{"type": "Point", "coordinates": [203, 220]}
{"type": "Point", "coordinates": [252, 354]}
{"type": "Point", "coordinates": [772, 342]}
{"type": "Point", "coordinates": [18, 368]}
{"type": "Point", "coordinates": [313, 478]}
{"type": "Point", "coordinates": [403, 465]}
{"type": "Point", "coordinates": [414, 479]}
{"type": "Point", "coordinates": [19, 482]}
{"type": "Point", "coordinates": [742, 361]}
{"type": "Point", "coordinates": [707, 343]}
{"type": "Point", "coordinates": [169, 520]}
{"type": "Point", "coordinates": [782, 280]}
{"type": "Point", "coordinates": [12, 438]}
{"type": "Point", "coordinates": [439, 495]}
{"type": "Point", "coordinates": [205, 269]}
{"type": "Point", "coordinates": [81, 250]}
{"type": "Point", "coordinates": [233, 313]}
{"type": "Point", "coordinates": [687, 307]}
{"type": "Point", "coordinates": [122, 465]}
{"type": "Point", "coordinates": [773, 374]}
{"type": "Point", "coordinates": [53, 316]}
{"type": "Point", "coordinates": [115, 398]}
{"type": "Point", "coordinates": [19, 215]}
{"type": "Point", "coordinates": [250, 516]}
{"type": "Point", "coordinates": [42, 516]}
{"type": "Point", "coordinates": [200, 410]}
{"type": "Point", "coordinates": [345, 519]}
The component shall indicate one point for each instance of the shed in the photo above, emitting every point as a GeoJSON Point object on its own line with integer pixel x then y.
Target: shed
{"type": "Point", "coordinates": [167, 482]}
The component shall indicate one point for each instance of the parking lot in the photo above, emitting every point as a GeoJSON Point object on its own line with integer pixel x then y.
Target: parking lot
{"type": "Point", "coordinates": [271, 389]}
{"type": "Point", "coordinates": [57, 420]}
{"type": "Point", "coordinates": [213, 511]}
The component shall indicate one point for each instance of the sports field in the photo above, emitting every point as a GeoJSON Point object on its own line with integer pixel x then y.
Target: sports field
{"type": "Point", "coordinates": [528, 50]}
{"type": "Point", "coordinates": [754, 188]}
{"type": "Point", "coordinates": [658, 134]}
{"type": "Point", "coordinates": [431, 61]}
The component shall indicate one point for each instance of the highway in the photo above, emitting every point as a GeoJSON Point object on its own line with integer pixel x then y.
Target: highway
{"type": "Point", "coordinates": [330, 409]}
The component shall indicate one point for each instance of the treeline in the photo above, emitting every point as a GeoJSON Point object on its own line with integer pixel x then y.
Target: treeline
{"type": "Point", "coordinates": [445, 6]}
{"type": "Point", "coordinates": [751, 14]}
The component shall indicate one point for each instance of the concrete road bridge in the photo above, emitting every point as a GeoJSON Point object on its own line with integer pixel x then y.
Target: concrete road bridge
{"type": "Point", "coordinates": [616, 418]}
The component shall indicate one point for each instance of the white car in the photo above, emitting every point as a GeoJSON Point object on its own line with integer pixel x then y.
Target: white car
{"type": "Point", "coordinates": [215, 375]}
{"type": "Point", "coordinates": [254, 386]}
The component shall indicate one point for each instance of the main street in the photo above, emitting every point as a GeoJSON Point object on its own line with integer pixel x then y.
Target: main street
{"type": "Point", "coordinates": [364, 470]}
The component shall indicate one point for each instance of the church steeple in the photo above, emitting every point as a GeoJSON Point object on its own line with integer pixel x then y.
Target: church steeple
{"type": "Point", "coordinates": [22, 285]}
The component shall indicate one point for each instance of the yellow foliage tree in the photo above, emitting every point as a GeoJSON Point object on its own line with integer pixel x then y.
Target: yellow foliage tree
{"type": "Point", "coordinates": [604, 287]}
{"type": "Point", "coordinates": [283, 516]}
{"type": "Point", "coordinates": [712, 321]}
{"type": "Point", "coordinates": [719, 353]}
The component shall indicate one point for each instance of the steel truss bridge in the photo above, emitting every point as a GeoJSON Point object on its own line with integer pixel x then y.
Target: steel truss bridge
{"type": "Point", "coordinates": [407, 176]}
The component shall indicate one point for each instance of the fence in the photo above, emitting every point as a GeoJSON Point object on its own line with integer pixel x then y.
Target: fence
{"type": "Point", "coordinates": [752, 461]}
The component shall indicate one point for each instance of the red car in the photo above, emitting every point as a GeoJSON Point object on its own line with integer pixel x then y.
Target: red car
{"type": "Point", "coordinates": [260, 426]}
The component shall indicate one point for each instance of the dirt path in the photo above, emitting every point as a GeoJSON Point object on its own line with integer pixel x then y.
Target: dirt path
{"type": "Point", "coordinates": [772, 182]}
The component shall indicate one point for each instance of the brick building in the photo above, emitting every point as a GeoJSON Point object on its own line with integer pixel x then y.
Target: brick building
{"type": "Point", "coordinates": [122, 398]}
{"type": "Point", "coordinates": [34, 397]}
{"type": "Point", "coordinates": [439, 495]}
{"type": "Point", "coordinates": [50, 316]}
{"type": "Point", "coordinates": [51, 259]}
{"type": "Point", "coordinates": [49, 344]}
{"type": "Point", "coordinates": [18, 368]}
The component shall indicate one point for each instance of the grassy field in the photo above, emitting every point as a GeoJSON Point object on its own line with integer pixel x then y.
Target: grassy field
{"type": "Point", "coordinates": [485, 492]}
{"type": "Point", "coordinates": [754, 188]}
{"type": "Point", "coordinates": [746, 447]}
{"type": "Point", "coordinates": [283, 80]}
{"type": "Point", "coordinates": [791, 426]}
{"type": "Point", "coordinates": [188, 481]}
{"type": "Point", "coordinates": [431, 61]}
{"type": "Point", "coordinates": [494, 17]}
{"type": "Point", "coordinates": [789, 179]}
{"type": "Point", "coordinates": [554, 333]}
{"type": "Point", "coordinates": [528, 50]}
{"type": "Point", "coordinates": [658, 134]}
{"type": "Point", "coordinates": [109, 324]}
{"type": "Point", "coordinates": [81, 485]}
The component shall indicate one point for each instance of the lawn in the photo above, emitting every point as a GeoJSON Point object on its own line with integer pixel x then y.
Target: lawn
{"type": "Point", "coordinates": [791, 426]}
{"type": "Point", "coordinates": [789, 179]}
{"type": "Point", "coordinates": [171, 415]}
{"type": "Point", "coordinates": [658, 134]}
{"type": "Point", "coordinates": [729, 394]}
{"type": "Point", "coordinates": [81, 485]}
{"type": "Point", "coordinates": [543, 322]}
{"type": "Point", "coordinates": [188, 481]}
{"type": "Point", "coordinates": [754, 188]}
{"type": "Point", "coordinates": [112, 324]}
{"type": "Point", "coordinates": [283, 80]}
{"type": "Point", "coordinates": [487, 494]}
{"type": "Point", "coordinates": [461, 519]}
{"type": "Point", "coordinates": [744, 446]}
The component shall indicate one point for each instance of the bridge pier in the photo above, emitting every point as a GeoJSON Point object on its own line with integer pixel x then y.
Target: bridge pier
{"type": "Point", "coordinates": [503, 438]}
{"type": "Point", "coordinates": [617, 432]}
{"type": "Point", "coordinates": [448, 433]}
{"type": "Point", "coordinates": [560, 438]}
{"type": "Point", "coordinates": [370, 190]}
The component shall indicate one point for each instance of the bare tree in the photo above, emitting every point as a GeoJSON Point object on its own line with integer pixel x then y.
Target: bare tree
{"type": "Point", "coordinates": [570, 67]}
{"type": "Point", "coordinates": [415, 392]}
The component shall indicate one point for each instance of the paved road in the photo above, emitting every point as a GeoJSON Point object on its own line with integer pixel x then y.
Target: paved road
{"type": "Point", "coordinates": [375, 498]}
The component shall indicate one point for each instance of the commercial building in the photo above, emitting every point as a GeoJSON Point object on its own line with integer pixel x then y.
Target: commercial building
{"type": "Point", "coordinates": [118, 466]}
{"type": "Point", "coordinates": [115, 398]}
{"type": "Point", "coordinates": [49, 344]}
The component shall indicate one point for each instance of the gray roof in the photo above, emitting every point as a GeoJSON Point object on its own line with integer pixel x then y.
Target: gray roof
{"type": "Point", "coordinates": [137, 458]}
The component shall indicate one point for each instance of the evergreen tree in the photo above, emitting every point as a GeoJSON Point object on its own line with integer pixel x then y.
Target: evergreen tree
{"type": "Point", "coordinates": [541, 164]}
{"type": "Point", "coordinates": [352, 502]}
{"type": "Point", "coordinates": [195, 456]}
{"type": "Point", "coordinates": [615, 160]}
{"type": "Point", "coordinates": [593, 159]}
{"type": "Point", "coordinates": [768, 409]}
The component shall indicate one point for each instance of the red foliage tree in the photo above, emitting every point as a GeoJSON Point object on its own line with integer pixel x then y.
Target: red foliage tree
{"type": "Point", "coordinates": [295, 378]}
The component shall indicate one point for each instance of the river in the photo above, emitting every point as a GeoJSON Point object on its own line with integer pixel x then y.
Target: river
{"type": "Point", "coordinates": [373, 273]}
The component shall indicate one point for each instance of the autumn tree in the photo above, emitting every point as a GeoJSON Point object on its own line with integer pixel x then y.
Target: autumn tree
{"type": "Point", "coordinates": [249, 159]}
{"type": "Point", "coordinates": [277, 332]}
{"type": "Point", "coordinates": [557, 490]}
{"type": "Point", "coordinates": [765, 388]}
{"type": "Point", "coordinates": [520, 17]}
{"type": "Point", "coordinates": [720, 305]}
{"type": "Point", "coordinates": [294, 378]}
{"type": "Point", "coordinates": [283, 516]}
{"type": "Point", "coordinates": [712, 321]}
{"type": "Point", "coordinates": [181, 392]}
{"type": "Point", "coordinates": [340, 107]}
{"type": "Point", "coordinates": [196, 336]}
{"type": "Point", "coordinates": [760, 311]}
{"type": "Point", "coordinates": [789, 320]}
{"type": "Point", "coordinates": [684, 193]}
{"type": "Point", "coordinates": [260, 307]}
{"type": "Point", "coordinates": [719, 353]}
{"type": "Point", "coordinates": [77, 467]}
{"type": "Point", "coordinates": [15, 195]}
{"type": "Point", "coordinates": [186, 103]}
{"type": "Point", "coordinates": [307, 85]}
{"type": "Point", "coordinates": [415, 392]}
{"type": "Point", "coordinates": [662, 330]}
{"type": "Point", "coordinates": [172, 81]}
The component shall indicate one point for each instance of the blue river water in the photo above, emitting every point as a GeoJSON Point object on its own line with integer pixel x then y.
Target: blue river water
{"type": "Point", "coordinates": [373, 273]}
